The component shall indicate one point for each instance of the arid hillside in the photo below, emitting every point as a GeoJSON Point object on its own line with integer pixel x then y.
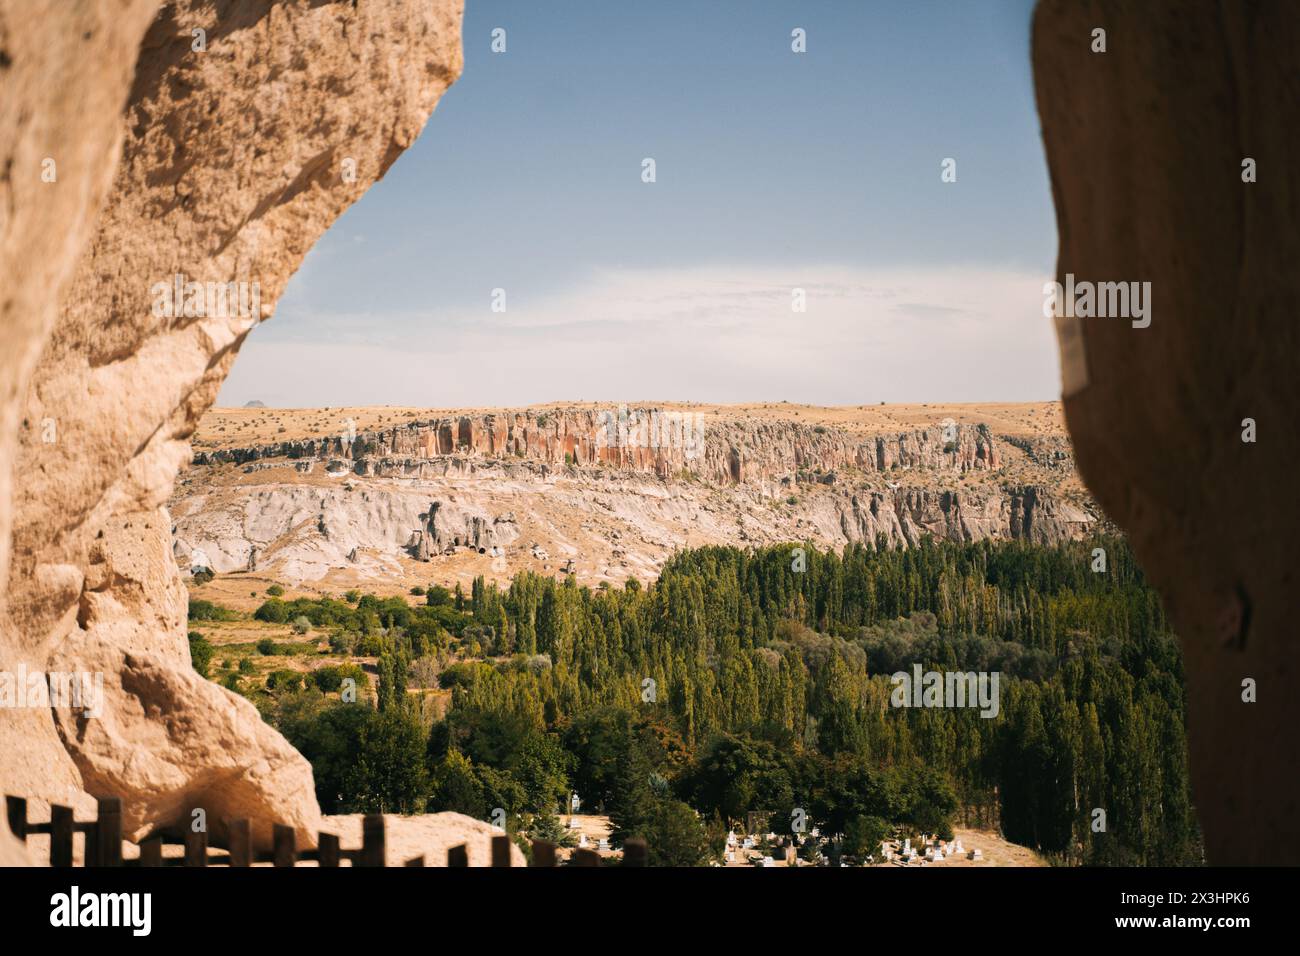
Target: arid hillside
{"type": "Point", "coordinates": [332, 497]}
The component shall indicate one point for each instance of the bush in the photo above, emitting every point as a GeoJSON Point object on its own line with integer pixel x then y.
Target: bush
{"type": "Point", "coordinates": [344, 642]}
{"type": "Point", "coordinates": [330, 678]}
{"type": "Point", "coordinates": [200, 652]}
{"type": "Point", "coordinates": [675, 835]}
{"type": "Point", "coordinates": [275, 590]}
{"type": "Point", "coordinates": [352, 597]}
{"type": "Point", "coordinates": [273, 611]}
{"type": "Point", "coordinates": [202, 576]}
{"type": "Point", "coordinates": [301, 625]}
{"type": "Point", "coordinates": [372, 645]}
{"type": "Point", "coordinates": [863, 836]}
{"type": "Point", "coordinates": [266, 646]}
{"type": "Point", "coordinates": [245, 665]}
{"type": "Point", "coordinates": [207, 611]}
{"type": "Point", "coordinates": [417, 591]}
{"type": "Point", "coordinates": [283, 679]}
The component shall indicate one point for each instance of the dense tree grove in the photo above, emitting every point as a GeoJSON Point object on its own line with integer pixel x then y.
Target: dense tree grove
{"type": "Point", "coordinates": [759, 680]}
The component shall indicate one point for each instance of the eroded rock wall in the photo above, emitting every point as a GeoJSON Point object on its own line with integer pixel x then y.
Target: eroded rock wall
{"type": "Point", "coordinates": [248, 127]}
{"type": "Point", "coordinates": [1145, 145]}
{"type": "Point", "coordinates": [65, 76]}
{"type": "Point", "coordinates": [650, 441]}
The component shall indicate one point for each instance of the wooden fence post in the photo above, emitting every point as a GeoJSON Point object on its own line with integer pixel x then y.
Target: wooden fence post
{"type": "Point", "coordinates": [501, 851]}
{"type": "Point", "coordinates": [61, 825]}
{"type": "Point", "coordinates": [543, 853]}
{"type": "Point", "coordinates": [17, 810]}
{"type": "Point", "coordinates": [634, 852]}
{"type": "Point", "coordinates": [372, 840]}
{"type": "Point", "coordinates": [151, 851]}
{"type": "Point", "coordinates": [328, 844]}
{"type": "Point", "coordinates": [196, 848]}
{"type": "Point", "coordinates": [458, 856]}
{"type": "Point", "coordinates": [107, 834]}
{"type": "Point", "coordinates": [286, 853]}
{"type": "Point", "coordinates": [240, 841]}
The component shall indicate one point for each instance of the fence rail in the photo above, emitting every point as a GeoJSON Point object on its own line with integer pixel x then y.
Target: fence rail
{"type": "Point", "coordinates": [103, 844]}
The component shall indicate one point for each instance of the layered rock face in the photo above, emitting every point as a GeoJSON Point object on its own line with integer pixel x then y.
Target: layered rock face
{"type": "Point", "coordinates": [298, 510]}
{"type": "Point", "coordinates": [244, 131]}
{"type": "Point", "coordinates": [1147, 146]}
{"type": "Point", "coordinates": [645, 440]}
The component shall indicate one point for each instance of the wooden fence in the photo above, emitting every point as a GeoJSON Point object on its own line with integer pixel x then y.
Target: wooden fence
{"type": "Point", "coordinates": [103, 844]}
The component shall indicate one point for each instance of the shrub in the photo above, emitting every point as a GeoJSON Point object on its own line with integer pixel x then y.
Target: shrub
{"type": "Point", "coordinates": [283, 679]}
{"type": "Point", "coordinates": [352, 597]}
{"type": "Point", "coordinates": [301, 625]}
{"type": "Point", "coordinates": [273, 611]}
{"type": "Point", "coordinates": [202, 576]}
{"type": "Point", "coordinates": [417, 591]}
{"type": "Point", "coordinates": [344, 642]}
{"type": "Point", "coordinates": [266, 646]}
{"type": "Point", "coordinates": [372, 645]}
{"type": "Point", "coordinates": [207, 611]}
{"type": "Point", "coordinates": [245, 665]}
{"type": "Point", "coordinates": [200, 652]}
{"type": "Point", "coordinates": [330, 678]}
{"type": "Point", "coordinates": [863, 835]}
{"type": "Point", "coordinates": [275, 590]}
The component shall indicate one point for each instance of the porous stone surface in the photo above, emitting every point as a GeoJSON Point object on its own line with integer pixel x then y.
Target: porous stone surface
{"type": "Point", "coordinates": [65, 78]}
{"type": "Point", "coordinates": [1145, 145]}
{"type": "Point", "coordinates": [239, 132]}
{"type": "Point", "coordinates": [429, 835]}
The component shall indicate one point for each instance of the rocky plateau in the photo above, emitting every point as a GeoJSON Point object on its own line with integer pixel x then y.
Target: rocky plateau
{"type": "Point", "coordinates": [604, 493]}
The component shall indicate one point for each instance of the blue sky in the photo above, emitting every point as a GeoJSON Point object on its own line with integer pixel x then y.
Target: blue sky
{"type": "Point", "coordinates": [774, 170]}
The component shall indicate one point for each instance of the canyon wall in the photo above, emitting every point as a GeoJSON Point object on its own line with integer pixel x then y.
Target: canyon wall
{"type": "Point", "coordinates": [1172, 159]}
{"type": "Point", "coordinates": [233, 135]}
{"type": "Point", "coordinates": [647, 440]}
{"type": "Point", "coordinates": [614, 501]}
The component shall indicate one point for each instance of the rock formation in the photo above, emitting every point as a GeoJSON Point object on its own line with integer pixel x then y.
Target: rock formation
{"type": "Point", "coordinates": [1148, 147]}
{"type": "Point", "coordinates": [645, 440]}
{"type": "Point", "coordinates": [446, 529]}
{"type": "Point", "coordinates": [59, 144]}
{"type": "Point", "coordinates": [798, 481]}
{"type": "Point", "coordinates": [232, 136]}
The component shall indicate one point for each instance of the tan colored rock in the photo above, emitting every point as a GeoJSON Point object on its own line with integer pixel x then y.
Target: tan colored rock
{"type": "Point", "coordinates": [429, 835]}
{"type": "Point", "coordinates": [235, 159]}
{"type": "Point", "coordinates": [65, 77]}
{"type": "Point", "coordinates": [1145, 145]}
{"type": "Point", "coordinates": [12, 851]}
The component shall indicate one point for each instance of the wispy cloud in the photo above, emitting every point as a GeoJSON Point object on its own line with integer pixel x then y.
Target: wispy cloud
{"type": "Point", "coordinates": [709, 334]}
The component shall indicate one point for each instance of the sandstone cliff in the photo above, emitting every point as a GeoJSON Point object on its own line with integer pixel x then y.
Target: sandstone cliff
{"type": "Point", "coordinates": [650, 440]}
{"type": "Point", "coordinates": [513, 485]}
{"type": "Point", "coordinates": [226, 138]}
